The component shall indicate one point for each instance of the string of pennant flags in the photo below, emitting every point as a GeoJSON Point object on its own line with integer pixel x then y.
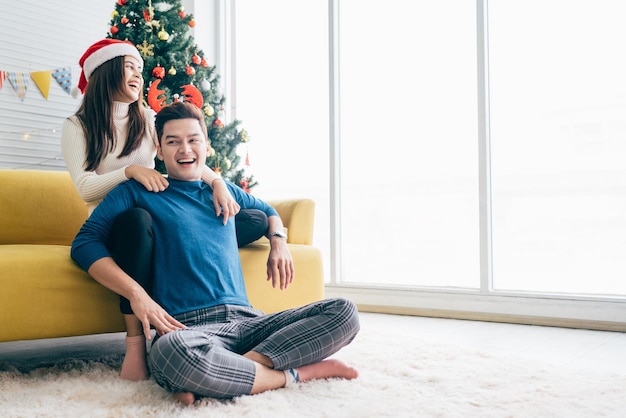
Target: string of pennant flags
{"type": "Point", "coordinates": [20, 81]}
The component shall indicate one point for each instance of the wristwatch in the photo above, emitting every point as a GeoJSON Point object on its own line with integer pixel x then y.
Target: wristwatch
{"type": "Point", "coordinates": [277, 234]}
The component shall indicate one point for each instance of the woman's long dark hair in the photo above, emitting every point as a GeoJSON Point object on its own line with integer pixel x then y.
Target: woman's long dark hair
{"type": "Point", "coordinates": [96, 118]}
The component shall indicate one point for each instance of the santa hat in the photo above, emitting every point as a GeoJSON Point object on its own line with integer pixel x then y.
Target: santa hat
{"type": "Point", "coordinates": [101, 52]}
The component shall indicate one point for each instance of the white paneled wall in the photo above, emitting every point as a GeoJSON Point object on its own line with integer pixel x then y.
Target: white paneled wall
{"type": "Point", "coordinates": [38, 35]}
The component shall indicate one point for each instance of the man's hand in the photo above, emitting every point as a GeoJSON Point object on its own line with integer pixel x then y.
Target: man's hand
{"type": "Point", "coordinates": [280, 268]}
{"type": "Point", "coordinates": [106, 272]}
{"type": "Point", "coordinates": [151, 179]}
{"type": "Point", "coordinates": [151, 313]}
{"type": "Point", "coordinates": [223, 200]}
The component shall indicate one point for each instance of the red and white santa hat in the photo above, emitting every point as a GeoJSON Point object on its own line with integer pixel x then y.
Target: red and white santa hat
{"type": "Point", "coordinates": [99, 53]}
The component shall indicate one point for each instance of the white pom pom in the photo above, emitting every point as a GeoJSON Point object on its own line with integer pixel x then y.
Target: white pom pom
{"type": "Point", "coordinates": [75, 92]}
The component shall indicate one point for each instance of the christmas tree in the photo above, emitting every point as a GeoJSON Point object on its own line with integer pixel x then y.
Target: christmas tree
{"type": "Point", "coordinates": [175, 69]}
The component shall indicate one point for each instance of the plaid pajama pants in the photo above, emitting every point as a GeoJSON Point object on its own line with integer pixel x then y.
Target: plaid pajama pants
{"type": "Point", "coordinates": [206, 359]}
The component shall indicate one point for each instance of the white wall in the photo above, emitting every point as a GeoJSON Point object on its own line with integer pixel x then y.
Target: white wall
{"type": "Point", "coordinates": [42, 36]}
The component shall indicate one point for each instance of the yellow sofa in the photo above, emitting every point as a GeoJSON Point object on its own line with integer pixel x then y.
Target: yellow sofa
{"type": "Point", "coordinates": [44, 294]}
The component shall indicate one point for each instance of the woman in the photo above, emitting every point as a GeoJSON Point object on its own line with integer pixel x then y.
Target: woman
{"type": "Point", "coordinates": [111, 139]}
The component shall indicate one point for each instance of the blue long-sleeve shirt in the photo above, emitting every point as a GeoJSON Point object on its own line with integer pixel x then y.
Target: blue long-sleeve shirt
{"type": "Point", "coordinates": [196, 260]}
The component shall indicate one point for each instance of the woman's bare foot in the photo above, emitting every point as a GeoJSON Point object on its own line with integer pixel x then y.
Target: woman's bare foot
{"type": "Point", "coordinates": [186, 398]}
{"type": "Point", "coordinates": [326, 369]}
{"type": "Point", "coordinates": [134, 367]}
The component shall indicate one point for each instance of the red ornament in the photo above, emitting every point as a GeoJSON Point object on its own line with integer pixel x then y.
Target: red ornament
{"type": "Point", "coordinates": [192, 23]}
{"type": "Point", "coordinates": [158, 72]}
{"type": "Point", "coordinates": [114, 30]}
{"type": "Point", "coordinates": [244, 182]}
{"type": "Point", "coordinates": [146, 15]}
{"type": "Point", "coordinates": [156, 97]}
{"type": "Point", "coordinates": [192, 95]}
{"type": "Point", "coordinates": [190, 70]}
{"type": "Point", "coordinates": [196, 59]}
{"type": "Point", "coordinates": [124, 20]}
{"type": "Point", "coordinates": [218, 123]}
{"type": "Point", "coordinates": [122, 2]}
{"type": "Point", "coordinates": [181, 14]}
{"type": "Point", "coordinates": [204, 63]}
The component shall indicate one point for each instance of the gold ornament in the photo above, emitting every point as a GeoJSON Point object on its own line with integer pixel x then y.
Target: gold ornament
{"type": "Point", "coordinates": [243, 135]}
{"type": "Point", "coordinates": [146, 49]}
{"type": "Point", "coordinates": [171, 71]}
{"type": "Point", "coordinates": [208, 110]}
{"type": "Point", "coordinates": [164, 36]}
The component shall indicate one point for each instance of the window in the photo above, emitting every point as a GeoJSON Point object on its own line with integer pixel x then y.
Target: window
{"type": "Point", "coordinates": [558, 140]}
{"type": "Point", "coordinates": [477, 148]}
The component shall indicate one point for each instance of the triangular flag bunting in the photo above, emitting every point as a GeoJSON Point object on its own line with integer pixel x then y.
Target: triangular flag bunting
{"type": "Point", "coordinates": [63, 76]}
{"type": "Point", "coordinates": [3, 76]}
{"type": "Point", "coordinates": [19, 81]}
{"type": "Point", "coordinates": [42, 81]}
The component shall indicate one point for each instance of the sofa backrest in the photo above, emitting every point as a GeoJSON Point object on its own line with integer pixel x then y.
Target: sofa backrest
{"type": "Point", "coordinates": [39, 207]}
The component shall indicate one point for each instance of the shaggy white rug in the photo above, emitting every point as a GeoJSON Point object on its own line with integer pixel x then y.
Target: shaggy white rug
{"type": "Point", "coordinates": [401, 376]}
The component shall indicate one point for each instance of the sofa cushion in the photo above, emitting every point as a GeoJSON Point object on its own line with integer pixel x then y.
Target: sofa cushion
{"type": "Point", "coordinates": [44, 294]}
{"type": "Point", "coordinates": [39, 207]}
{"type": "Point", "coordinates": [307, 287]}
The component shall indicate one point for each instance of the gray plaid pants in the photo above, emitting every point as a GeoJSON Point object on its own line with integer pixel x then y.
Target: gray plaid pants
{"type": "Point", "coordinates": [206, 359]}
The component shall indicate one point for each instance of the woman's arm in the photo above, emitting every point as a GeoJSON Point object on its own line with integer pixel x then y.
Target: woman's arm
{"type": "Point", "coordinates": [222, 199]}
{"type": "Point", "coordinates": [91, 187]}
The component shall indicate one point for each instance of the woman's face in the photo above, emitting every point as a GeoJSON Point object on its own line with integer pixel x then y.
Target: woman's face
{"type": "Point", "coordinates": [132, 82]}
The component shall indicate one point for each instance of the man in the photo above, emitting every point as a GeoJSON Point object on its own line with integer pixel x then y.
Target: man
{"type": "Point", "coordinates": [210, 341]}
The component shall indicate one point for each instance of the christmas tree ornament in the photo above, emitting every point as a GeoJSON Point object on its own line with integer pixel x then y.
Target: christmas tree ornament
{"type": "Point", "coordinates": [204, 63]}
{"type": "Point", "coordinates": [114, 30]}
{"type": "Point", "coordinates": [217, 122]}
{"type": "Point", "coordinates": [148, 13]}
{"type": "Point", "coordinates": [243, 135]}
{"type": "Point", "coordinates": [196, 59]}
{"type": "Point", "coordinates": [205, 85]}
{"type": "Point", "coordinates": [208, 110]}
{"type": "Point", "coordinates": [156, 97]}
{"type": "Point", "coordinates": [192, 95]}
{"type": "Point", "coordinates": [189, 70]}
{"type": "Point", "coordinates": [171, 71]}
{"type": "Point", "coordinates": [122, 2]}
{"type": "Point", "coordinates": [158, 72]}
{"type": "Point", "coordinates": [114, 14]}
{"type": "Point", "coordinates": [192, 23]}
{"type": "Point", "coordinates": [124, 20]}
{"type": "Point", "coordinates": [181, 12]}
{"type": "Point", "coordinates": [163, 35]}
{"type": "Point", "coordinates": [146, 49]}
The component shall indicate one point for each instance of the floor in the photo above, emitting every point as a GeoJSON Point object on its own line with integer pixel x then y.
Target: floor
{"type": "Point", "coordinates": [583, 349]}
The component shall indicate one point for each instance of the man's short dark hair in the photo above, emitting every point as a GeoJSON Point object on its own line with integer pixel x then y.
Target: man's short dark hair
{"type": "Point", "coordinates": [178, 110]}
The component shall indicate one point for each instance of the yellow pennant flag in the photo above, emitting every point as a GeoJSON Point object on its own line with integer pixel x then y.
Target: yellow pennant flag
{"type": "Point", "coordinates": [42, 81]}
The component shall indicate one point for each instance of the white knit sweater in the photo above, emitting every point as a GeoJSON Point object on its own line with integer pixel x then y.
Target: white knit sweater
{"type": "Point", "coordinates": [93, 186]}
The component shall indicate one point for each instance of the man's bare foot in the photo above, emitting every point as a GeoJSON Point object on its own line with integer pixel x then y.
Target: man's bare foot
{"type": "Point", "coordinates": [134, 367]}
{"type": "Point", "coordinates": [186, 398]}
{"type": "Point", "coordinates": [326, 369]}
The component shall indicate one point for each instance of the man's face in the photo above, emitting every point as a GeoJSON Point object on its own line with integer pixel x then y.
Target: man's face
{"type": "Point", "coordinates": [183, 149]}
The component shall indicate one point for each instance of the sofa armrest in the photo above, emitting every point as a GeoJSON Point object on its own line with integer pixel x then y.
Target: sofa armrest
{"type": "Point", "coordinates": [298, 216]}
